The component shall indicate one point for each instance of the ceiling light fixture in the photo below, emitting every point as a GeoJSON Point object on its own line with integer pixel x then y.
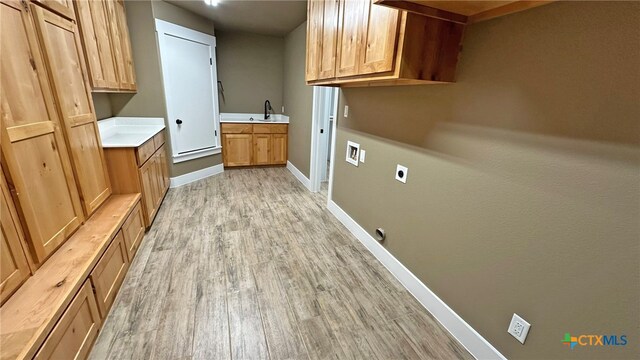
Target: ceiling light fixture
{"type": "Point", "coordinates": [211, 2]}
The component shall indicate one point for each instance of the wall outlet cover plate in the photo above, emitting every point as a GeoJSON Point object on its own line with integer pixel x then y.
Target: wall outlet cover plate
{"type": "Point", "coordinates": [519, 328]}
{"type": "Point", "coordinates": [363, 154]}
{"type": "Point", "coordinates": [401, 173]}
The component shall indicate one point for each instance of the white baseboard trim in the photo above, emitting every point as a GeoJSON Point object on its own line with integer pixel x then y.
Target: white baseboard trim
{"type": "Point", "coordinates": [463, 332]}
{"type": "Point", "coordinates": [196, 175]}
{"type": "Point", "coordinates": [299, 175]}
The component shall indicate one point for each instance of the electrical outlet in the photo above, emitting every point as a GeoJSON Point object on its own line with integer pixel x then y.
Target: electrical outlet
{"type": "Point", "coordinates": [363, 154]}
{"type": "Point", "coordinates": [401, 173]}
{"type": "Point", "coordinates": [346, 111]}
{"type": "Point", "coordinates": [519, 328]}
{"type": "Point", "coordinates": [283, 109]}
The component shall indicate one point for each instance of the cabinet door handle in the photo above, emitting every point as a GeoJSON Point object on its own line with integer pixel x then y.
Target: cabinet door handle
{"type": "Point", "coordinates": [178, 121]}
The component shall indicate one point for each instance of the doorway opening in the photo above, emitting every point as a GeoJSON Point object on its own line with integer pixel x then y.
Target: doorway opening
{"type": "Point", "coordinates": [324, 122]}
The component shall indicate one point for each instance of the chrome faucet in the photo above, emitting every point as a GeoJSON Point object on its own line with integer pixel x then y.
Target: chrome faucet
{"type": "Point", "coordinates": [267, 109]}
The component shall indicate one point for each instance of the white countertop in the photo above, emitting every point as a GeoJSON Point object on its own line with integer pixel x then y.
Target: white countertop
{"type": "Point", "coordinates": [246, 118]}
{"type": "Point", "coordinates": [119, 132]}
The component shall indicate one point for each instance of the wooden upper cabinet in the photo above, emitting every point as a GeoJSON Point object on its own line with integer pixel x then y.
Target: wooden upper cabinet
{"type": "Point", "coordinates": [107, 47]}
{"type": "Point", "coordinates": [464, 12]}
{"type": "Point", "coordinates": [14, 269]}
{"type": "Point", "coordinates": [63, 52]}
{"type": "Point", "coordinates": [96, 37]}
{"type": "Point", "coordinates": [378, 45]}
{"type": "Point", "coordinates": [32, 141]}
{"type": "Point", "coordinates": [322, 32]}
{"type": "Point", "coordinates": [315, 17]}
{"type": "Point", "coordinates": [379, 33]}
{"type": "Point", "coordinates": [349, 37]}
{"type": "Point", "coordinates": [329, 39]}
{"type": "Point", "coordinates": [62, 7]}
{"type": "Point", "coordinates": [126, 74]}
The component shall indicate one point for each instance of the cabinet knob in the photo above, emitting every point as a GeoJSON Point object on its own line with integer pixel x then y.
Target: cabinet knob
{"type": "Point", "coordinates": [178, 121]}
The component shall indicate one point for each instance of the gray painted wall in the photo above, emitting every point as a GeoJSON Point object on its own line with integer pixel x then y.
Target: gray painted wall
{"type": "Point", "coordinates": [298, 99]}
{"type": "Point", "coordinates": [523, 185]}
{"type": "Point", "coordinates": [102, 104]}
{"type": "Point", "coordinates": [250, 67]}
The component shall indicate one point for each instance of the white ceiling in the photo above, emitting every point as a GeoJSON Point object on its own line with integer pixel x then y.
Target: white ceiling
{"type": "Point", "coordinates": [268, 17]}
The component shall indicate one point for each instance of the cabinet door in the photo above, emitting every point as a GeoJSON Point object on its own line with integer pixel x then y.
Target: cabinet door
{"type": "Point", "coordinates": [63, 7]}
{"type": "Point", "coordinates": [109, 273]}
{"type": "Point", "coordinates": [378, 39]}
{"type": "Point", "coordinates": [315, 13]}
{"type": "Point", "coordinates": [133, 231]}
{"type": "Point", "coordinates": [349, 33]}
{"type": "Point", "coordinates": [279, 144]}
{"type": "Point", "coordinates": [74, 334]}
{"type": "Point", "coordinates": [32, 141]}
{"type": "Point", "coordinates": [14, 269]}
{"type": "Point", "coordinates": [164, 169]}
{"type": "Point", "coordinates": [261, 149]}
{"type": "Point", "coordinates": [159, 179]}
{"type": "Point", "coordinates": [116, 40]}
{"type": "Point", "coordinates": [96, 38]}
{"type": "Point", "coordinates": [237, 149]}
{"type": "Point", "coordinates": [63, 53]}
{"type": "Point", "coordinates": [328, 40]}
{"type": "Point", "coordinates": [149, 191]}
{"type": "Point", "coordinates": [127, 78]}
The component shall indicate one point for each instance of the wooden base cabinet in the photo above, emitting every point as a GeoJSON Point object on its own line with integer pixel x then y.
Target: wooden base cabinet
{"type": "Point", "coordinates": [254, 144]}
{"type": "Point", "coordinates": [141, 170]}
{"type": "Point", "coordinates": [76, 331]}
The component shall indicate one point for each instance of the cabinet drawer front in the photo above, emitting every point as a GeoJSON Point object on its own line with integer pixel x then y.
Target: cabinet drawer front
{"type": "Point", "coordinates": [109, 272]}
{"type": "Point", "coordinates": [158, 139]}
{"type": "Point", "coordinates": [133, 231]}
{"type": "Point", "coordinates": [270, 128]}
{"type": "Point", "coordinates": [144, 152]}
{"type": "Point", "coordinates": [237, 128]}
{"type": "Point", "coordinates": [76, 330]}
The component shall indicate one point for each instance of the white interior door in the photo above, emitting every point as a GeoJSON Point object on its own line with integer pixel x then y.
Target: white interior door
{"type": "Point", "coordinates": [191, 92]}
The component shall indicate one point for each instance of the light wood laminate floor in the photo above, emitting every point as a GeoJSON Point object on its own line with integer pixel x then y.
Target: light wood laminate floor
{"type": "Point", "coordinates": [250, 265]}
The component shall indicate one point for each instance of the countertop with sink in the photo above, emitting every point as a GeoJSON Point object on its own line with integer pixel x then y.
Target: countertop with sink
{"type": "Point", "coordinates": [246, 118]}
{"type": "Point", "coordinates": [124, 132]}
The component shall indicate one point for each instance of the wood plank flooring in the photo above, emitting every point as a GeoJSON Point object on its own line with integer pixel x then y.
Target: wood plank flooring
{"type": "Point", "coordinates": [250, 265]}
